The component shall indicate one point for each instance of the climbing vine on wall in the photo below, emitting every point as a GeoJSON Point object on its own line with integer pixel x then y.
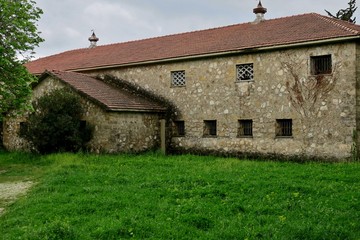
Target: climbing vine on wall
{"type": "Point", "coordinates": [305, 91]}
{"type": "Point", "coordinates": [308, 94]}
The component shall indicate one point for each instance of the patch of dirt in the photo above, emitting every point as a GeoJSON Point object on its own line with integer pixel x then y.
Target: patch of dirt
{"type": "Point", "coordinates": [10, 191]}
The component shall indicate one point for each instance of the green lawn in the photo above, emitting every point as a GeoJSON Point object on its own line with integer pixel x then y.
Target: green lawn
{"type": "Point", "coordinates": [179, 197]}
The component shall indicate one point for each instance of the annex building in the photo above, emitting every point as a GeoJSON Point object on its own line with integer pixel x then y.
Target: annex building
{"type": "Point", "coordinates": [286, 86]}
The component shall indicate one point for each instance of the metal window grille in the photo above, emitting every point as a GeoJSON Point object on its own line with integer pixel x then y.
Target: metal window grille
{"type": "Point", "coordinates": [245, 128]}
{"type": "Point", "coordinates": [178, 78]}
{"type": "Point", "coordinates": [321, 65]}
{"type": "Point", "coordinates": [284, 128]}
{"type": "Point", "coordinates": [210, 128]}
{"type": "Point", "coordinates": [179, 128]}
{"type": "Point", "coordinates": [245, 72]}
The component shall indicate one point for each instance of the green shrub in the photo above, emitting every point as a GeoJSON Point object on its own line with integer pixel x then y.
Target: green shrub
{"type": "Point", "coordinates": [55, 125]}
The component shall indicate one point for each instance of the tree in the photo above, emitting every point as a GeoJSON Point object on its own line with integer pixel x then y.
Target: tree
{"type": "Point", "coordinates": [55, 125]}
{"type": "Point", "coordinates": [18, 38]}
{"type": "Point", "coordinates": [346, 14]}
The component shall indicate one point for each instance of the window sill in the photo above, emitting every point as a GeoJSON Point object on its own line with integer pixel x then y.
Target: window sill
{"type": "Point", "coordinates": [245, 81]}
{"type": "Point", "coordinates": [321, 74]}
{"type": "Point", "coordinates": [245, 137]}
{"type": "Point", "coordinates": [209, 136]}
{"type": "Point", "coordinates": [284, 137]}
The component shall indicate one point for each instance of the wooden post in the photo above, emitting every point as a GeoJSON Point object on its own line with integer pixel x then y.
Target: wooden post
{"type": "Point", "coordinates": [163, 135]}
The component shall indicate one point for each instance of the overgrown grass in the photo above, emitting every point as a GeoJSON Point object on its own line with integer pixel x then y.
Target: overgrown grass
{"type": "Point", "coordinates": [21, 166]}
{"type": "Point", "coordinates": [182, 197]}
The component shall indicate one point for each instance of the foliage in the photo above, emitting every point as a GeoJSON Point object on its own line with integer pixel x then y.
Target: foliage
{"type": "Point", "coordinates": [55, 125]}
{"type": "Point", "coordinates": [18, 37]}
{"type": "Point", "coordinates": [152, 196]}
{"type": "Point", "coordinates": [346, 14]}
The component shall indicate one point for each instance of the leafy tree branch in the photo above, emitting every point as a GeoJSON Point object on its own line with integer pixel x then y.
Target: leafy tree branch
{"type": "Point", "coordinates": [18, 37]}
{"type": "Point", "coordinates": [346, 14]}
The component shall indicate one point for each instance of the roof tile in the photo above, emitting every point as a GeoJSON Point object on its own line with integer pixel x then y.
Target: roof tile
{"type": "Point", "coordinates": [287, 30]}
{"type": "Point", "coordinates": [112, 98]}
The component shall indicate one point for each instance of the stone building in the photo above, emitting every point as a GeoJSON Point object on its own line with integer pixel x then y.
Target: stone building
{"type": "Point", "coordinates": [122, 120]}
{"type": "Point", "coordinates": [285, 86]}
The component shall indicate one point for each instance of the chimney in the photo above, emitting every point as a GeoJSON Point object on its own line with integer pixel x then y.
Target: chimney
{"type": "Point", "coordinates": [260, 12]}
{"type": "Point", "coordinates": [93, 40]}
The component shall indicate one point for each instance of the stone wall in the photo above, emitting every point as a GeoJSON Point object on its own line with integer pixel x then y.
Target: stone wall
{"type": "Point", "coordinates": [123, 131]}
{"type": "Point", "coordinates": [356, 135]}
{"type": "Point", "coordinates": [114, 132]}
{"type": "Point", "coordinates": [322, 127]}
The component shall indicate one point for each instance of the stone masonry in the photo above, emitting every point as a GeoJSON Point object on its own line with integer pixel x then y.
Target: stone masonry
{"type": "Point", "coordinates": [322, 125]}
{"type": "Point", "coordinates": [113, 131]}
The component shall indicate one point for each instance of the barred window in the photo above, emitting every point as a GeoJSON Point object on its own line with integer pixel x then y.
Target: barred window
{"type": "Point", "coordinates": [321, 65]}
{"type": "Point", "coordinates": [284, 127]}
{"type": "Point", "coordinates": [245, 128]}
{"type": "Point", "coordinates": [245, 72]}
{"type": "Point", "coordinates": [179, 128]}
{"type": "Point", "coordinates": [178, 78]}
{"type": "Point", "coordinates": [210, 128]}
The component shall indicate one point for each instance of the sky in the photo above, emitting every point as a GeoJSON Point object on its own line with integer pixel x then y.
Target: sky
{"type": "Point", "coordinates": [67, 24]}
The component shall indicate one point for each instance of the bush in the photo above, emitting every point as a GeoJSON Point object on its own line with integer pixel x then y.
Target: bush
{"type": "Point", "coordinates": [55, 125]}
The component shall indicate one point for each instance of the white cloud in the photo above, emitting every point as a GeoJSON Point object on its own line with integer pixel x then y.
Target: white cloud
{"type": "Point", "coordinates": [104, 11]}
{"type": "Point", "coordinates": [71, 32]}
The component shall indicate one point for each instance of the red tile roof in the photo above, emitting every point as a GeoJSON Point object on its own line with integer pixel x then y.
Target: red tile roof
{"type": "Point", "coordinates": [109, 97]}
{"type": "Point", "coordinates": [282, 31]}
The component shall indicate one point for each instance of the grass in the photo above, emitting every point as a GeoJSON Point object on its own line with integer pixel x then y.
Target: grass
{"type": "Point", "coordinates": [180, 197]}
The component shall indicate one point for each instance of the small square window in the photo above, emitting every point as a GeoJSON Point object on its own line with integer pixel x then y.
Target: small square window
{"type": "Point", "coordinates": [245, 72]}
{"type": "Point", "coordinates": [321, 65]}
{"type": "Point", "coordinates": [210, 128]}
{"type": "Point", "coordinates": [284, 127]}
{"type": "Point", "coordinates": [245, 128]}
{"type": "Point", "coordinates": [179, 128]}
{"type": "Point", "coordinates": [178, 78]}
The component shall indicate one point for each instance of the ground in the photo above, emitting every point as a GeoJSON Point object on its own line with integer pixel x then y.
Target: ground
{"type": "Point", "coordinates": [10, 191]}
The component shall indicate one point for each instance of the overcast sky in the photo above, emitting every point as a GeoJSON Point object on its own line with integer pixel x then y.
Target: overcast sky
{"type": "Point", "coordinates": [67, 24]}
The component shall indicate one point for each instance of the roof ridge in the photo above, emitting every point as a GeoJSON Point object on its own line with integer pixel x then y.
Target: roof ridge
{"type": "Point", "coordinates": [221, 40]}
{"type": "Point", "coordinates": [55, 71]}
{"type": "Point", "coordinates": [191, 32]}
{"type": "Point", "coordinates": [195, 31]}
{"type": "Point", "coordinates": [337, 23]}
{"type": "Point", "coordinates": [56, 54]}
{"type": "Point", "coordinates": [171, 35]}
{"type": "Point", "coordinates": [132, 100]}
